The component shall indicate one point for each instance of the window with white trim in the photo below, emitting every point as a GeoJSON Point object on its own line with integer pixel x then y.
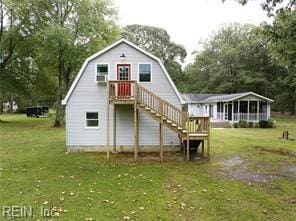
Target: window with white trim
{"type": "Point", "coordinates": [102, 72]}
{"type": "Point", "coordinates": [92, 119]}
{"type": "Point", "coordinates": [144, 72]}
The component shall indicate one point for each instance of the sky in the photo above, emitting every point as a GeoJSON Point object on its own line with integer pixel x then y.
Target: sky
{"type": "Point", "coordinates": [188, 21]}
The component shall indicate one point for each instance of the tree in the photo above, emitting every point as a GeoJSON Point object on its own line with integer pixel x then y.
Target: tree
{"type": "Point", "coordinates": [67, 32]}
{"type": "Point", "coordinates": [272, 6]}
{"type": "Point", "coordinates": [158, 42]}
{"type": "Point", "coordinates": [282, 35]}
{"type": "Point", "coordinates": [234, 60]}
{"type": "Point", "coordinates": [16, 68]}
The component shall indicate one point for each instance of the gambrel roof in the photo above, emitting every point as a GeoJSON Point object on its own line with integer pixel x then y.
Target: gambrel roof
{"type": "Point", "coordinates": [122, 40]}
{"type": "Point", "coordinates": [208, 98]}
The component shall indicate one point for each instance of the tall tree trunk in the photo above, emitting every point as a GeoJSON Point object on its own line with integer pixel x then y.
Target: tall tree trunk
{"type": "Point", "coordinates": [1, 106]}
{"type": "Point", "coordinates": [10, 109]}
{"type": "Point", "coordinates": [59, 107]}
{"type": "Point", "coordinates": [293, 107]}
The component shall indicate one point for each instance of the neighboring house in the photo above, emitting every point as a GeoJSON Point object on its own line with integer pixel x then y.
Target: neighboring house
{"type": "Point", "coordinates": [247, 106]}
{"type": "Point", "coordinates": [123, 97]}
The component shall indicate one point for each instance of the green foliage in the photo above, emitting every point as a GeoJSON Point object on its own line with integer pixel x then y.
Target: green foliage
{"type": "Point", "coordinates": [282, 35]}
{"type": "Point", "coordinates": [266, 124]}
{"type": "Point", "coordinates": [243, 124]}
{"type": "Point", "coordinates": [250, 124]}
{"type": "Point", "coordinates": [44, 43]}
{"type": "Point", "coordinates": [234, 60]}
{"type": "Point", "coordinates": [235, 125]}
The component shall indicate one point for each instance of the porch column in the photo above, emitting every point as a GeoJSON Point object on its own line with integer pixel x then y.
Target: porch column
{"type": "Point", "coordinates": [238, 111]}
{"type": "Point", "coordinates": [258, 110]}
{"type": "Point", "coordinates": [267, 111]}
{"type": "Point", "coordinates": [223, 115]}
{"type": "Point", "coordinates": [248, 113]}
{"type": "Point", "coordinates": [232, 108]}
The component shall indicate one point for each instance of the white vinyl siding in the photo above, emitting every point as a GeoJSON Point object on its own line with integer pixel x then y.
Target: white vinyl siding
{"type": "Point", "coordinates": [88, 95]}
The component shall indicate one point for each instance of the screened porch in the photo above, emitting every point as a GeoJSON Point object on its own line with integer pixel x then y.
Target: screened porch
{"type": "Point", "coordinates": [243, 110]}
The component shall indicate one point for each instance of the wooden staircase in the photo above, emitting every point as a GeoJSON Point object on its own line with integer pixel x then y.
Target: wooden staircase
{"type": "Point", "coordinates": [187, 128]}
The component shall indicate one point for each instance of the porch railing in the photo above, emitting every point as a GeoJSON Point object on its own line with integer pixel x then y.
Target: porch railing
{"type": "Point", "coordinates": [164, 108]}
{"type": "Point", "coordinates": [252, 116]}
{"type": "Point", "coordinates": [128, 90]}
{"type": "Point", "coordinates": [200, 125]}
{"type": "Point", "coordinates": [124, 90]}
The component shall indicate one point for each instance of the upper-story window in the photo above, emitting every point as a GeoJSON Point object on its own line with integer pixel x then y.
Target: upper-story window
{"type": "Point", "coordinates": [144, 72]}
{"type": "Point", "coordinates": [102, 72]}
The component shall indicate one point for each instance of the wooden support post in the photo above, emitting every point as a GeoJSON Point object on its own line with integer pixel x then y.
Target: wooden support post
{"type": "Point", "coordinates": [161, 131]}
{"type": "Point", "coordinates": [108, 135]}
{"type": "Point", "coordinates": [187, 147]}
{"type": "Point", "coordinates": [114, 128]}
{"type": "Point", "coordinates": [136, 143]}
{"type": "Point", "coordinates": [208, 141]}
{"type": "Point", "coordinates": [161, 141]}
{"type": "Point", "coordinates": [202, 148]}
{"type": "Point", "coordinates": [188, 137]}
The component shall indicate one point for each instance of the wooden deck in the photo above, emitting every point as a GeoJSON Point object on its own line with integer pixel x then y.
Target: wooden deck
{"type": "Point", "coordinates": [166, 114]}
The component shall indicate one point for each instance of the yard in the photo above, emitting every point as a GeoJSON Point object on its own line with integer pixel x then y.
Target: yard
{"type": "Point", "coordinates": [251, 176]}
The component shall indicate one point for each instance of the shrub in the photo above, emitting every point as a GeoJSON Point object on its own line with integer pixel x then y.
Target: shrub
{"type": "Point", "coordinates": [235, 125]}
{"type": "Point", "coordinates": [250, 124]}
{"type": "Point", "coordinates": [256, 125]}
{"type": "Point", "coordinates": [243, 124]}
{"type": "Point", "coordinates": [271, 123]}
{"type": "Point", "coordinates": [263, 124]}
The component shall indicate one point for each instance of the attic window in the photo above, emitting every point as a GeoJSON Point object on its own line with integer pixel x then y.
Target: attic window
{"type": "Point", "coordinates": [102, 72]}
{"type": "Point", "coordinates": [144, 72]}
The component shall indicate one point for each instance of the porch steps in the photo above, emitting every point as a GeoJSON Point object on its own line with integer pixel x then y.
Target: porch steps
{"type": "Point", "coordinates": [220, 124]}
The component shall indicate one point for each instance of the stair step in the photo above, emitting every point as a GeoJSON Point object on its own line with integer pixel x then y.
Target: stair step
{"type": "Point", "coordinates": [169, 122]}
{"type": "Point", "coordinates": [180, 128]}
{"type": "Point", "coordinates": [147, 108]}
{"type": "Point", "coordinates": [153, 112]}
{"type": "Point", "coordinates": [142, 105]}
{"type": "Point", "coordinates": [184, 131]}
{"type": "Point", "coordinates": [158, 115]}
{"type": "Point", "coordinates": [174, 125]}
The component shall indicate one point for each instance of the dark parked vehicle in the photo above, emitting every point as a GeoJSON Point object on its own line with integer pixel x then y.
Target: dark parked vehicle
{"type": "Point", "coordinates": [37, 111]}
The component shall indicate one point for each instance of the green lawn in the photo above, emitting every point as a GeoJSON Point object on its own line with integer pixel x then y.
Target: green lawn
{"type": "Point", "coordinates": [251, 176]}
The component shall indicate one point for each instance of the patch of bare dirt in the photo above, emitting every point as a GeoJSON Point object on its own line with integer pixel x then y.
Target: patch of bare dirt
{"type": "Point", "coordinates": [238, 169]}
{"type": "Point", "coordinates": [280, 151]}
{"type": "Point", "coordinates": [288, 172]}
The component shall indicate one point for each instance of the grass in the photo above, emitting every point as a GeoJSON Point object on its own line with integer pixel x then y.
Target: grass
{"type": "Point", "coordinates": [35, 170]}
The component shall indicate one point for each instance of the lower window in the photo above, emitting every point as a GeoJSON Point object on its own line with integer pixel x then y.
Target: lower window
{"type": "Point", "coordinates": [92, 119]}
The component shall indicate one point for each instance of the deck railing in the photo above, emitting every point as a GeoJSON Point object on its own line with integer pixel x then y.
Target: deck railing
{"type": "Point", "coordinates": [124, 90]}
{"type": "Point", "coordinates": [200, 125]}
{"type": "Point", "coordinates": [164, 108]}
{"type": "Point", "coordinates": [128, 90]}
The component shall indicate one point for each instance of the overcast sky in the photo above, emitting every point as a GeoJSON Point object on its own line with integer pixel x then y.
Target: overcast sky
{"type": "Point", "coordinates": [188, 21]}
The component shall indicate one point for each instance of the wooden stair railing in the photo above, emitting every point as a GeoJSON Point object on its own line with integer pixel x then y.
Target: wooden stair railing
{"type": "Point", "coordinates": [170, 114]}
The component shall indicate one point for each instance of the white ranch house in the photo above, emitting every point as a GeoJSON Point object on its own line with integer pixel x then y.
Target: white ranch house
{"type": "Point", "coordinates": [123, 99]}
{"type": "Point", "coordinates": [247, 106]}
